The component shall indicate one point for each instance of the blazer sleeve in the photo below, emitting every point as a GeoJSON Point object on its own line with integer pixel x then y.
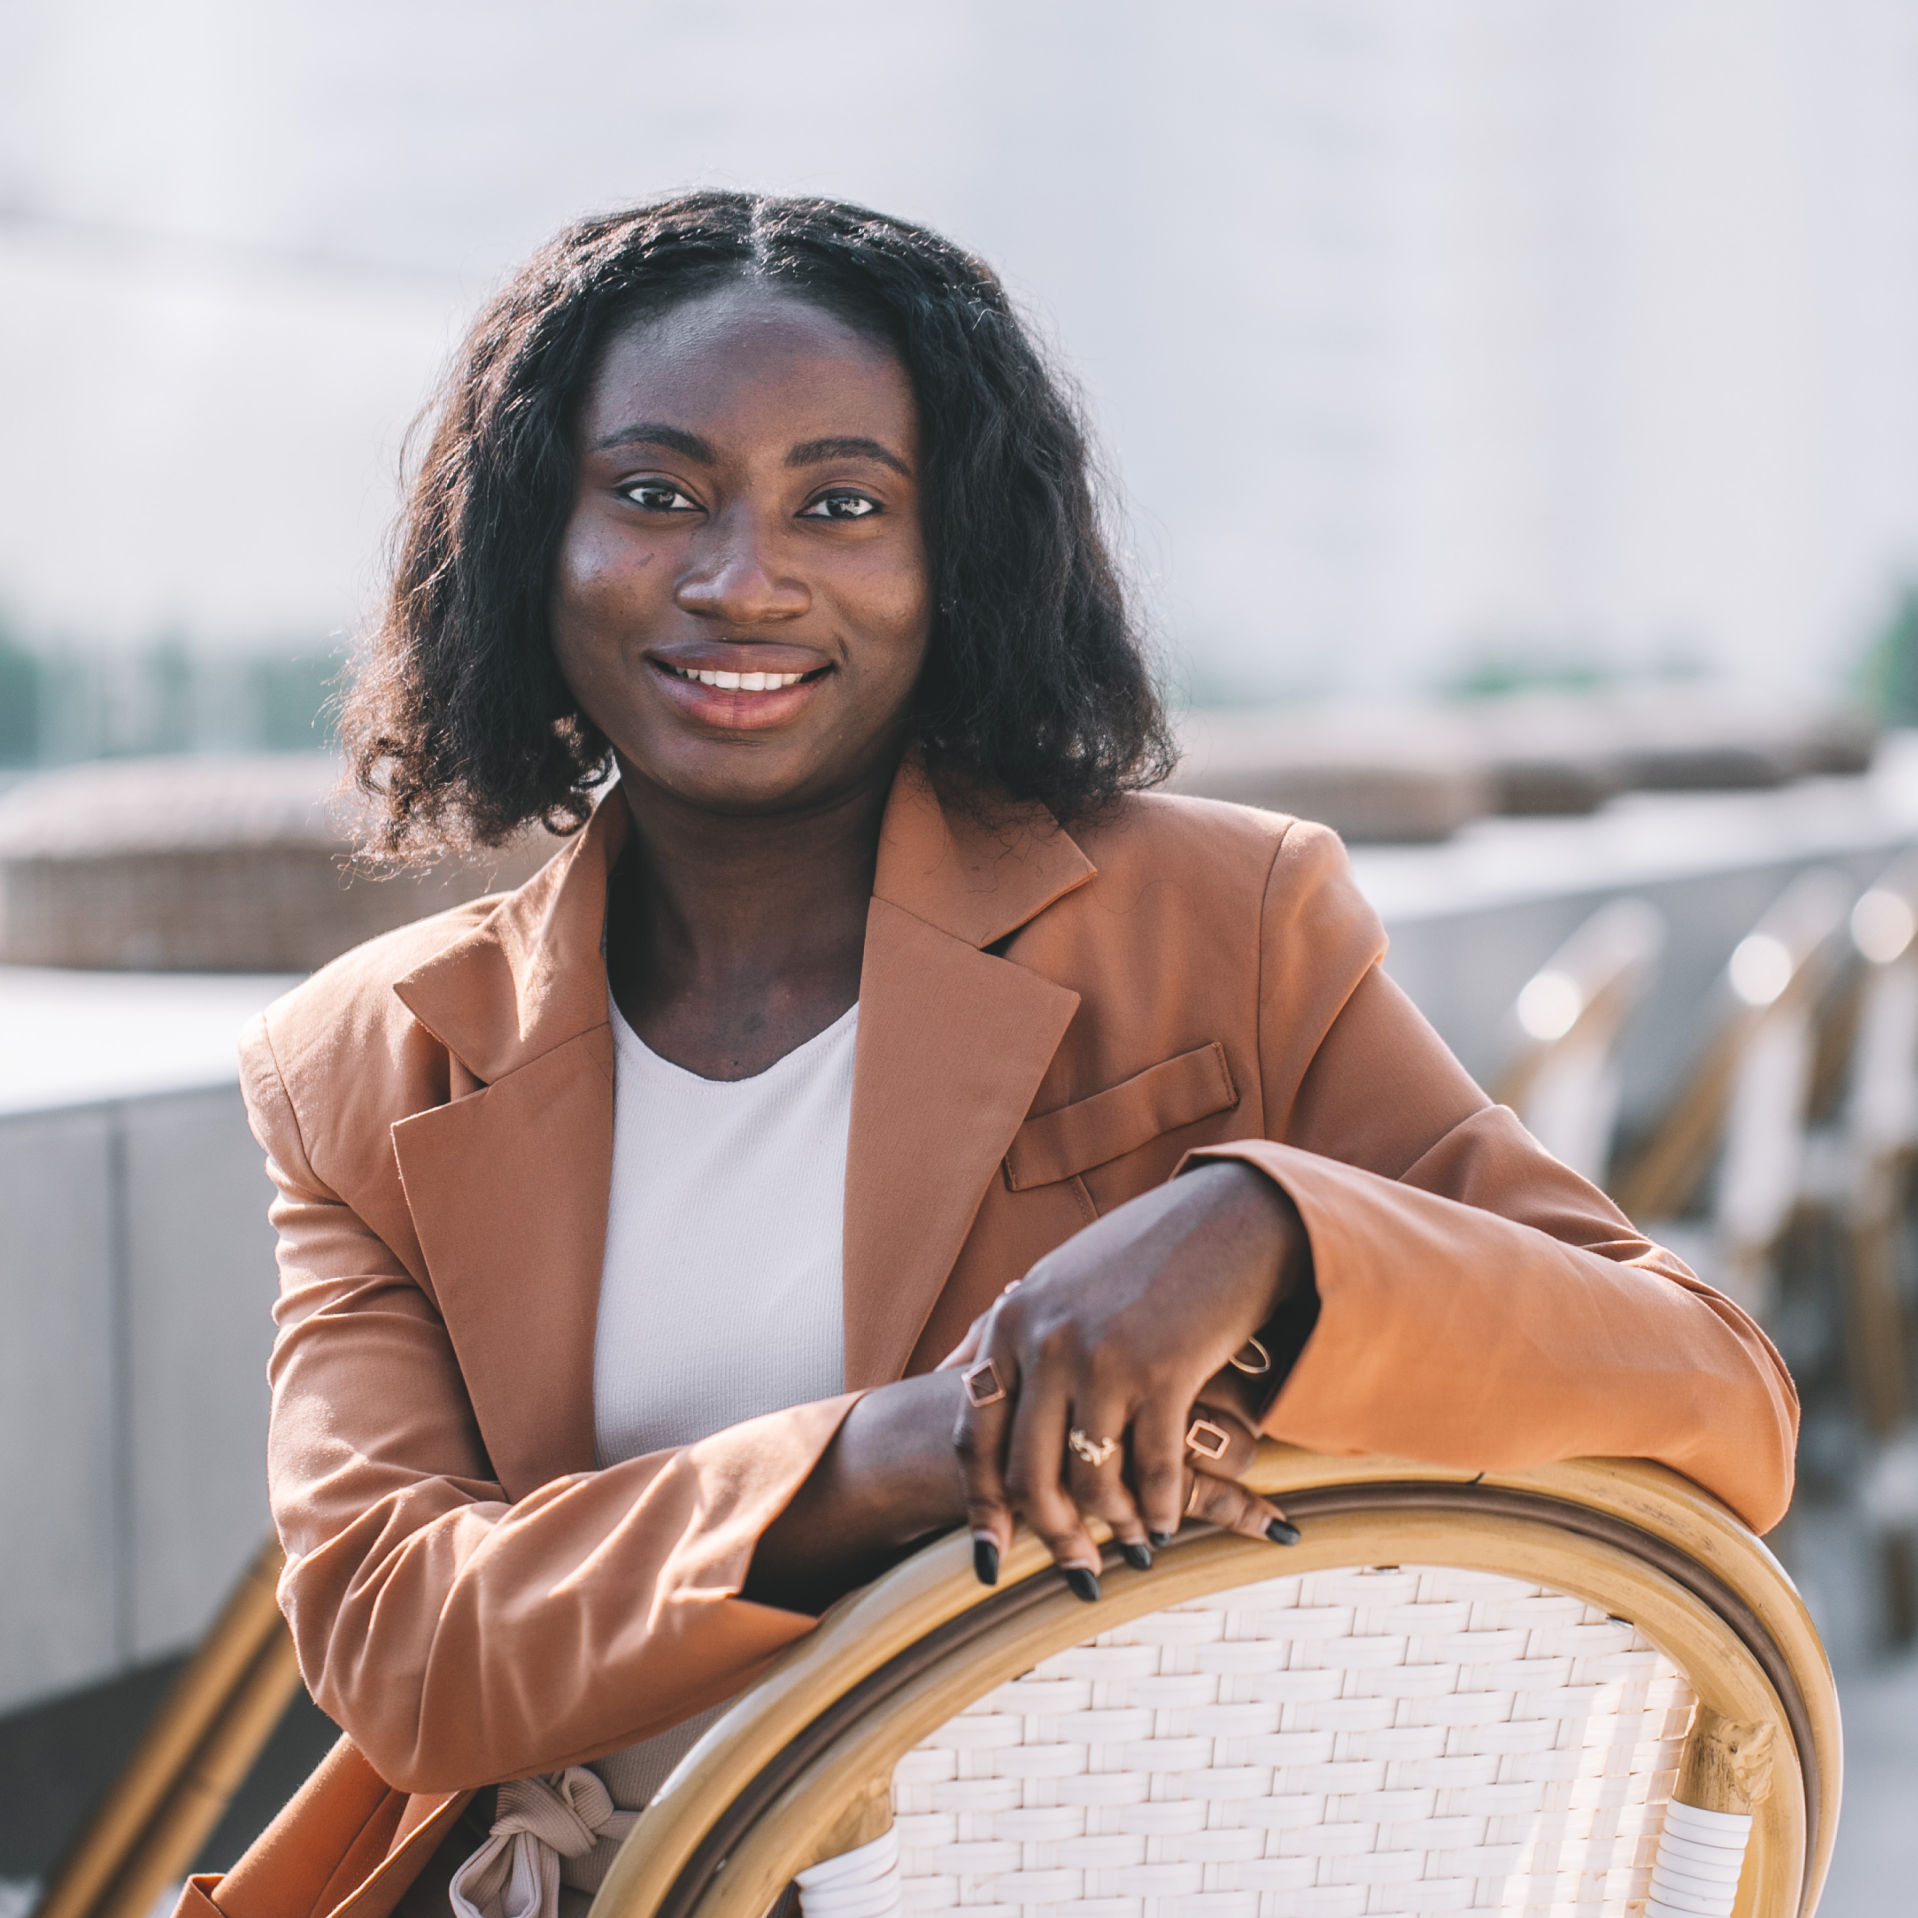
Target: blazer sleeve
{"type": "Point", "coordinates": [1480, 1304]}
{"type": "Point", "coordinates": [458, 1638]}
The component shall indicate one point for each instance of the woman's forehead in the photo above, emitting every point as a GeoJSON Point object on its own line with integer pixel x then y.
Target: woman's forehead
{"type": "Point", "coordinates": [745, 355]}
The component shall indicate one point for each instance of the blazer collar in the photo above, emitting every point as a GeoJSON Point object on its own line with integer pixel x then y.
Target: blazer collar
{"type": "Point", "coordinates": [508, 1185]}
{"type": "Point", "coordinates": [976, 869]}
{"type": "Point", "coordinates": [531, 975]}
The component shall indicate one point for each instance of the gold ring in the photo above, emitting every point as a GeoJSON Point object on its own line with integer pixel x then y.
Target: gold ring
{"type": "Point", "coordinates": [1258, 1366]}
{"type": "Point", "coordinates": [1208, 1440]}
{"type": "Point", "coordinates": [982, 1385]}
{"type": "Point", "coordinates": [1093, 1451]}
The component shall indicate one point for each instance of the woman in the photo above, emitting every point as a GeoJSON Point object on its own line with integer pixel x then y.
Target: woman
{"type": "Point", "coordinates": [625, 1221]}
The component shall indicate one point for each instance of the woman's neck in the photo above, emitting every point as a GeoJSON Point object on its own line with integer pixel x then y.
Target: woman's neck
{"type": "Point", "coordinates": [731, 940]}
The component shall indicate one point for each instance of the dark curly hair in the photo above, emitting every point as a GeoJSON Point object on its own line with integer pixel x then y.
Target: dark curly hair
{"type": "Point", "coordinates": [1036, 684]}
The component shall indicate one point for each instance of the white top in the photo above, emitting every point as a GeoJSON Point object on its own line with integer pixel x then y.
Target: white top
{"type": "Point", "coordinates": [721, 1293]}
{"type": "Point", "coordinates": [720, 1296]}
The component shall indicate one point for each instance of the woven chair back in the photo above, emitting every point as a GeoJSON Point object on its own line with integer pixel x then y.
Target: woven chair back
{"type": "Point", "coordinates": [1586, 1690]}
{"type": "Point", "coordinates": [1413, 1739]}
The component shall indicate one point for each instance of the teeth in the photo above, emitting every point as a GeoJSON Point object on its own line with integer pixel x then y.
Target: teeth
{"type": "Point", "coordinates": [743, 682]}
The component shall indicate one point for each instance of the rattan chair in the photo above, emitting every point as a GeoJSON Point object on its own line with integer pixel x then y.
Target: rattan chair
{"type": "Point", "coordinates": [1742, 1117]}
{"type": "Point", "coordinates": [1584, 1689]}
{"type": "Point", "coordinates": [143, 1835]}
{"type": "Point", "coordinates": [1858, 1165]}
{"type": "Point", "coordinates": [1563, 1077]}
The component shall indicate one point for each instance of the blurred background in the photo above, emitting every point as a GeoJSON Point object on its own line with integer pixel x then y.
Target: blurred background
{"type": "Point", "coordinates": [1514, 409]}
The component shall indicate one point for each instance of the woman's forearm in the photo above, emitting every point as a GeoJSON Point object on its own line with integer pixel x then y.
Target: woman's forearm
{"type": "Point", "coordinates": [888, 1479]}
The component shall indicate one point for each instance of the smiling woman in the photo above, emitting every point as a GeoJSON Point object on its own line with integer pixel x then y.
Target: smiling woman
{"type": "Point", "coordinates": [883, 1117]}
{"type": "Point", "coordinates": [930, 410]}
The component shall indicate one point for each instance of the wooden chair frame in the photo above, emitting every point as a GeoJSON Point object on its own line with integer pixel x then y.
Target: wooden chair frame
{"type": "Point", "coordinates": [799, 1770]}
{"type": "Point", "coordinates": [193, 1757]}
{"type": "Point", "coordinates": [1606, 967]}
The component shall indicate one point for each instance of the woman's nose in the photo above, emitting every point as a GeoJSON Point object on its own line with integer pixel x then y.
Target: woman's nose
{"type": "Point", "coordinates": [732, 575]}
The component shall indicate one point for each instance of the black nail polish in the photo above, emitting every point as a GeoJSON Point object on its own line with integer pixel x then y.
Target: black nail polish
{"type": "Point", "coordinates": [985, 1561]}
{"type": "Point", "coordinates": [1160, 1539]}
{"type": "Point", "coordinates": [1084, 1584]}
{"type": "Point", "coordinates": [1138, 1557]}
{"type": "Point", "coordinates": [1282, 1533]}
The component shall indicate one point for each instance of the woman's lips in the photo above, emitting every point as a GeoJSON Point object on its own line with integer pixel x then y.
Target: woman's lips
{"type": "Point", "coordinates": [732, 701]}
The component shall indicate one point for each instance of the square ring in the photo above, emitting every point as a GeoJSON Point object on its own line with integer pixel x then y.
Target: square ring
{"type": "Point", "coordinates": [1208, 1440]}
{"type": "Point", "coordinates": [982, 1385]}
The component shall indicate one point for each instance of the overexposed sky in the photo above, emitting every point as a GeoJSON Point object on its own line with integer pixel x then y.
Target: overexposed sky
{"type": "Point", "coordinates": [1583, 329]}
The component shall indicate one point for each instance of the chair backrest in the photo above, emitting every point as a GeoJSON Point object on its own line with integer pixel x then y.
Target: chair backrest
{"type": "Point", "coordinates": [142, 1835]}
{"type": "Point", "coordinates": [1563, 1079]}
{"type": "Point", "coordinates": [1881, 1109]}
{"type": "Point", "coordinates": [1573, 1689]}
{"type": "Point", "coordinates": [1745, 1105]}
{"type": "Point", "coordinates": [1859, 1164]}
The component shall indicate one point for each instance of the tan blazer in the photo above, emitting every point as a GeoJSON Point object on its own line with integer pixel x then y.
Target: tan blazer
{"type": "Point", "coordinates": [1049, 1023]}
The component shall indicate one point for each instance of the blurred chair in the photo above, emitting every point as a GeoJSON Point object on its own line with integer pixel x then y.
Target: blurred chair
{"type": "Point", "coordinates": [1564, 1080]}
{"type": "Point", "coordinates": [1584, 1689]}
{"type": "Point", "coordinates": [143, 1836]}
{"type": "Point", "coordinates": [1746, 1109]}
{"type": "Point", "coordinates": [1859, 1164]}
{"type": "Point", "coordinates": [1858, 1174]}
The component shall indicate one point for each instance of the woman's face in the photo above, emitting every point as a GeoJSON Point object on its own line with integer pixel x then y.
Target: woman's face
{"type": "Point", "coordinates": [742, 598]}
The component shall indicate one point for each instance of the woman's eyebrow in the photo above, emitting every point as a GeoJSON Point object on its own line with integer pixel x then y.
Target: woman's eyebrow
{"type": "Point", "coordinates": [812, 452]}
{"type": "Point", "coordinates": [653, 433]}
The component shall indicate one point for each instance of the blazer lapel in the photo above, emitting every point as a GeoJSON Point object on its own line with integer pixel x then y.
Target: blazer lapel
{"type": "Point", "coordinates": [953, 1044]}
{"type": "Point", "coordinates": [508, 1185]}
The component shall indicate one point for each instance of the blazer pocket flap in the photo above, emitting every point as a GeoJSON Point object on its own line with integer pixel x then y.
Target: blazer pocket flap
{"type": "Point", "coordinates": [1075, 1138]}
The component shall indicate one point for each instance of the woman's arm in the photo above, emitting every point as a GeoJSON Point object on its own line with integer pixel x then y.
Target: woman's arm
{"type": "Point", "coordinates": [1481, 1305]}
{"type": "Point", "coordinates": [1478, 1304]}
{"type": "Point", "coordinates": [459, 1638]}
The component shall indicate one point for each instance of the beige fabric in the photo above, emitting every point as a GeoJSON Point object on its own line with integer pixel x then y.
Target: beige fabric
{"type": "Point", "coordinates": [539, 1823]}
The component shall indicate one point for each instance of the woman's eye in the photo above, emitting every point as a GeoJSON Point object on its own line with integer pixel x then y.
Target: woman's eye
{"type": "Point", "coordinates": [841, 506]}
{"type": "Point", "coordinates": [659, 496]}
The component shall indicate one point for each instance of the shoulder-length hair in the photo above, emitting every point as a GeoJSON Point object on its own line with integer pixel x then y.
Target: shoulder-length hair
{"type": "Point", "coordinates": [1036, 683]}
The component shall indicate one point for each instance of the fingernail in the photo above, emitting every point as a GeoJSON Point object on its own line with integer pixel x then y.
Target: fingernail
{"type": "Point", "coordinates": [1160, 1539]}
{"type": "Point", "coordinates": [1138, 1557]}
{"type": "Point", "coordinates": [1084, 1584]}
{"type": "Point", "coordinates": [985, 1561]}
{"type": "Point", "coordinates": [1282, 1533]}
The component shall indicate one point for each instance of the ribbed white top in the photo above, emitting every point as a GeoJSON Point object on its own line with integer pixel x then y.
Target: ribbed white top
{"type": "Point", "coordinates": [720, 1296]}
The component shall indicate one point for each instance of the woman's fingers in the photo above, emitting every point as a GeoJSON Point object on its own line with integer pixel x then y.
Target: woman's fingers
{"type": "Point", "coordinates": [1227, 1504]}
{"type": "Point", "coordinates": [1095, 1475]}
{"type": "Point", "coordinates": [1218, 1441]}
{"type": "Point", "coordinates": [967, 1349]}
{"type": "Point", "coordinates": [1160, 1468]}
{"type": "Point", "coordinates": [979, 1438]}
{"type": "Point", "coordinates": [1035, 1481]}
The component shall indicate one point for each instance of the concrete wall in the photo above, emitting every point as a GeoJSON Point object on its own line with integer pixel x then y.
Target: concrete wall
{"type": "Point", "coordinates": [136, 1281]}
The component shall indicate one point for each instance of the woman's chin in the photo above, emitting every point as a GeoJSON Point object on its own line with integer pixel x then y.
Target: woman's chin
{"type": "Point", "coordinates": [742, 776]}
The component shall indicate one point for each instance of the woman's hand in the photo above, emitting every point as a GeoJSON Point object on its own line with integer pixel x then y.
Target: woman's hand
{"type": "Point", "coordinates": [1113, 1340]}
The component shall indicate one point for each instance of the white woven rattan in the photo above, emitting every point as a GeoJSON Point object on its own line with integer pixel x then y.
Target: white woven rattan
{"type": "Point", "coordinates": [1401, 1740]}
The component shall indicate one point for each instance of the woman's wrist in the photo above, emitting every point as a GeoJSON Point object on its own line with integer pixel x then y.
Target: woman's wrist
{"type": "Point", "coordinates": [1295, 1311]}
{"type": "Point", "coordinates": [1276, 1248]}
{"type": "Point", "coordinates": [889, 1478]}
